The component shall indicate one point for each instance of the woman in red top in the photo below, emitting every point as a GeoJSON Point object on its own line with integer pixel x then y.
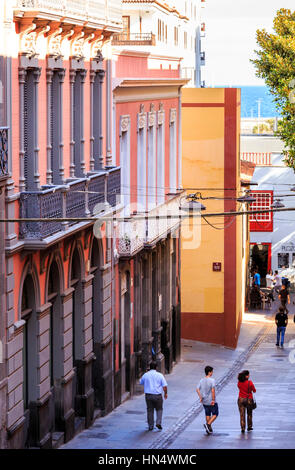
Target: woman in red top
{"type": "Point", "coordinates": [246, 387]}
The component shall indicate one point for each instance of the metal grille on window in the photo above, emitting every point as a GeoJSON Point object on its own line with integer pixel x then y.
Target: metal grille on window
{"type": "Point", "coordinates": [263, 202]}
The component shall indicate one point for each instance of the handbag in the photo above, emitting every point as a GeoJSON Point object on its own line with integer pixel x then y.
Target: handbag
{"type": "Point", "coordinates": [251, 401]}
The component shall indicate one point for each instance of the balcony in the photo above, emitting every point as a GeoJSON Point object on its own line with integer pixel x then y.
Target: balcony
{"type": "Point", "coordinates": [134, 39]}
{"type": "Point", "coordinates": [3, 152]}
{"type": "Point", "coordinates": [94, 12]}
{"type": "Point", "coordinates": [131, 236]}
{"type": "Point", "coordinates": [78, 198]}
{"type": "Point", "coordinates": [161, 220]}
{"type": "Point", "coordinates": [146, 229]}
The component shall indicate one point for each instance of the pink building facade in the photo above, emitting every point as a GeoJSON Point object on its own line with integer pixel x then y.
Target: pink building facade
{"type": "Point", "coordinates": [90, 181]}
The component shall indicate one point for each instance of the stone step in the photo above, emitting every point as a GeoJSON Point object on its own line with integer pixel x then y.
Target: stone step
{"type": "Point", "coordinates": [58, 439]}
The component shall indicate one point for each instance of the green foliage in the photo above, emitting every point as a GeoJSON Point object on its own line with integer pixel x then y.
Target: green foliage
{"type": "Point", "coordinates": [276, 65]}
{"type": "Point", "coordinates": [263, 128]}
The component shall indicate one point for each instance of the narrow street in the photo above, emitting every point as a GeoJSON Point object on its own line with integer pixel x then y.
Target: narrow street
{"type": "Point", "coordinates": [183, 418]}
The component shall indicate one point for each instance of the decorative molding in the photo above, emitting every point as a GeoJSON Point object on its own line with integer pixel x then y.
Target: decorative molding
{"type": "Point", "coordinates": [152, 108]}
{"type": "Point", "coordinates": [124, 123]}
{"type": "Point", "coordinates": [151, 119]}
{"type": "Point", "coordinates": [141, 122]}
{"type": "Point", "coordinates": [161, 114]}
{"type": "Point", "coordinates": [173, 115]}
{"type": "Point", "coordinates": [54, 43]}
{"type": "Point", "coordinates": [78, 48]}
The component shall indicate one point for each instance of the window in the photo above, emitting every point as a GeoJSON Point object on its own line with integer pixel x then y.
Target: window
{"type": "Point", "coordinates": [151, 159]}
{"type": "Point", "coordinates": [161, 157]}
{"type": "Point", "coordinates": [30, 177]}
{"type": "Point", "coordinates": [126, 26]}
{"type": "Point", "coordinates": [175, 35]}
{"type": "Point", "coordinates": [55, 170]}
{"type": "Point", "coordinates": [283, 260]}
{"type": "Point", "coordinates": [77, 83]}
{"type": "Point", "coordinates": [185, 40]}
{"type": "Point", "coordinates": [162, 31]}
{"type": "Point", "coordinates": [262, 222]}
{"type": "Point", "coordinates": [2, 91]}
{"type": "Point", "coordinates": [141, 159]}
{"type": "Point", "coordinates": [173, 153]}
{"type": "Point", "coordinates": [97, 120]}
{"type": "Point", "coordinates": [125, 162]}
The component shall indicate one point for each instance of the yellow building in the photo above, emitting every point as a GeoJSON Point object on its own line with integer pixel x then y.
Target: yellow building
{"type": "Point", "coordinates": [213, 270]}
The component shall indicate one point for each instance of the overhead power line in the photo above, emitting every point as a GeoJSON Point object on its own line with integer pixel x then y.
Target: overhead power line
{"type": "Point", "coordinates": [141, 217]}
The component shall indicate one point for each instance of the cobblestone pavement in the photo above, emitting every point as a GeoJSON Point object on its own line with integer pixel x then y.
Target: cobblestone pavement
{"type": "Point", "coordinates": [183, 418]}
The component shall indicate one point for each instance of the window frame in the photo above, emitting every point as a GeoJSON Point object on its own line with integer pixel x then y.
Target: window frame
{"type": "Point", "coordinates": [259, 222]}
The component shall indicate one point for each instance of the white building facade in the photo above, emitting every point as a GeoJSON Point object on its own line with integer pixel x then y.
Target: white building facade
{"type": "Point", "coordinates": [272, 234]}
{"type": "Point", "coordinates": [169, 29]}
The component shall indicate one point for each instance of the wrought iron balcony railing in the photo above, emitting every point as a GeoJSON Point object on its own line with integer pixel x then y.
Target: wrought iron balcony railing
{"type": "Point", "coordinates": [134, 39]}
{"type": "Point", "coordinates": [3, 151]}
{"type": "Point", "coordinates": [114, 186]}
{"type": "Point", "coordinates": [145, 229]}
{"type": "Point", "coordinates": [94, 11]}
{"type": "Point", "coordinates": [76, 199]}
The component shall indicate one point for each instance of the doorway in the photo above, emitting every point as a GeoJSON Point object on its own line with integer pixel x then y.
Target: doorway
{"type": "Point", "coordinates": [260, 255]}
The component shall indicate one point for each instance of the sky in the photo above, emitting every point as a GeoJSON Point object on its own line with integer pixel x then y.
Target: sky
{"type": "Point", "coordinates": [231, 38]}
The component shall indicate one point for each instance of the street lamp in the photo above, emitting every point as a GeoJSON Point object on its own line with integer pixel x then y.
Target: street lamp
{"type": "Point", "coordinates": [277, 204]}
{"type": "Point", "coordinates": [248, 199]}
{"type": "Point", "coordinates": [192, 206]}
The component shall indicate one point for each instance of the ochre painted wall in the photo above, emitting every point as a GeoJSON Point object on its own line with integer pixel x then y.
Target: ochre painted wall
{"type": "Point", "coordinates": [211, 301]}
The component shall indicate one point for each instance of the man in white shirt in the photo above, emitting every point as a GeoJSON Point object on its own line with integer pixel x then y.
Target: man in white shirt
{"type": "Point", "coordinates": [269, 280]}
{"type": "Point", "coordinates": [154, 383]}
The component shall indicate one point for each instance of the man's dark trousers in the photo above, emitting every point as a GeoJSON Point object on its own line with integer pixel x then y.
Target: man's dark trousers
{"type": "Point", "coordinates": [154, 402]}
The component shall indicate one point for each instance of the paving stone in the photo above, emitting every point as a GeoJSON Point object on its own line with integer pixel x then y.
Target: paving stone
{"type": "Point", "coordinates": [183, 417]}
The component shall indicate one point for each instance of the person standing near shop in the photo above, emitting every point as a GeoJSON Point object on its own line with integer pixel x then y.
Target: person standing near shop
{"type": "Point", "coordinates": [154, 384]}
{"type": "Point", "coordinates": [269, 279]}
{"type": "Point", "coordinates": [256, 278]}
{"type": "Point", "coordinates": [281, 322]}
{"type": "Point", "coordinates": [245, 400]}
{"type": "Point", "coordinates": [206, 392]}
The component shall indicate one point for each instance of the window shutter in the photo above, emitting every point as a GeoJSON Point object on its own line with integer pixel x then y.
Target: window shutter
{"type": "Point", "coordinates": [25, 110]}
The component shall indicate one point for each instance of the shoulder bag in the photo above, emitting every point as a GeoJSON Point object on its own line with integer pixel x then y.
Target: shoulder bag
{"type": "Point", "coordinates": [251, 401]}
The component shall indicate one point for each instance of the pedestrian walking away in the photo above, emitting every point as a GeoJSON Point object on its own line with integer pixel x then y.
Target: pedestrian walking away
{"type": "Point", "coordinates": [284, 297]}
{"type": "Point", "coordinates": [207, 395]}
{"type": "Point", "coordinates": [154, 384]}
{"type": "Point", "coordinates": [281, 322]}
{"type": "Point", "coordinates": [245, 400]}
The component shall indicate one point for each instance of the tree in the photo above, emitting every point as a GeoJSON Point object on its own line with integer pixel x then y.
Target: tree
{"type": "Point", "coordinates": [276, 65]}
